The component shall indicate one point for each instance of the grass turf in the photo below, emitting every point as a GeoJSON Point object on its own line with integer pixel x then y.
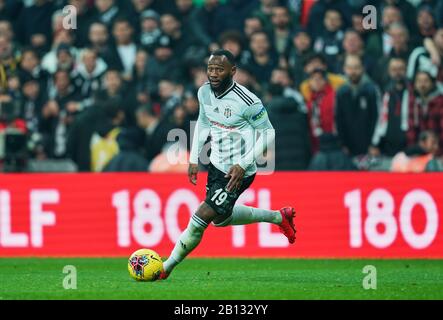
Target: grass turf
{"type": "Point", "coordinates": [106, 278]}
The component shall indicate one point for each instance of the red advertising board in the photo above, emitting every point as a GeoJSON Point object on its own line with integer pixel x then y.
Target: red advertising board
{"type": "Point", "coordinates": [339, 215]}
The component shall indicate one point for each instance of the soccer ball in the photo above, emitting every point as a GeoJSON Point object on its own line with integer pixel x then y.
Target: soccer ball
{"type": "Point", "coordinates": [145, 265]}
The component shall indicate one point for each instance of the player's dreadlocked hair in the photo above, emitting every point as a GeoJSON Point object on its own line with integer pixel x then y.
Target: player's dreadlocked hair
{"type": "Point", "coordinates": [226, 53]}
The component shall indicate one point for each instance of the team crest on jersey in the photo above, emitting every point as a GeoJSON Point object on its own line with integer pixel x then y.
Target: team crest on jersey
{"type": "Point", "coordinates": [228, 112]}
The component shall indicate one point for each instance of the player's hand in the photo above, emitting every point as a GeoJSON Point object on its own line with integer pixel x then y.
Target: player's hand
{"type": "Point", "coordinates": [192, 173]}
{"type": "Point", "coordinates": [236, 173]}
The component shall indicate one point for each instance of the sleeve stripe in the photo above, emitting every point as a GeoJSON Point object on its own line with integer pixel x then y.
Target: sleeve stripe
{"type": "Point", "coordinates": [244, 93]}
{"type": "Point", "coordinates": [245, 98]}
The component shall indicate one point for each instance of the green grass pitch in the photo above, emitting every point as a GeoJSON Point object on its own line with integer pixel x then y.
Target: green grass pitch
{"type": "Point", "coordinates": [108, 278]}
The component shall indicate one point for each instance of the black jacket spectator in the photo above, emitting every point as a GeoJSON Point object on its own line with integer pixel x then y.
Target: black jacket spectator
{"type": "Point", "coordinates": [36, 19]}
{"type": "Point", "coordinates": [163, 64]}
{"type": "Point", "coordinates": [317, 14]}
{"type": "Point", "coordinates": [356, 115]}
{"type": "Point", "coordinates": [129, 158]}
{"type": "Point", "coordinates": [288, 114]}
{"type": "Point", "coordinates": [390, 133]}
{"type": "Point", "coordinates": [330, 156]}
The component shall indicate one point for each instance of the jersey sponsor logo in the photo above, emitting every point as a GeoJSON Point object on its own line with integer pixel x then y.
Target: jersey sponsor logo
{"type": "Point", "coordinates": [259, 115]}
{"type": "Point", "coordinates": [228, 112]}
{"type": "Point", "coordinates": [220, 125]}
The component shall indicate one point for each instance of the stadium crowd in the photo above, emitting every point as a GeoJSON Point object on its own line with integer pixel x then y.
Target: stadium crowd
{"type": "Point", "coordinates": [105, 92]}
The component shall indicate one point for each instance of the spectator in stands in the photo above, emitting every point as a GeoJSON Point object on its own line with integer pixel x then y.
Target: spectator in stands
{"type": "Point", "coordinates": [331, 156]}
{"type": "Point", "coordinates": [7, 30]}
{"type": "Point", "coordinates": [321, 106]}
{"type": "Point", "coordinates": [34, 24]}
{"type": "Point", "coordinates": [390, 133]}
{"type": "Point", "coordinates": [379, 43]}
{"type": "Point", "coordinates": [428, 58]}
{"type": "Point", "coordinates": [329, 41]}
{"type": "Point", "coordinates": [80, 133]}
{"type": "Point", "coordinates": [264, 13]}
{"type": "Point", "coordinates": [353, 45]}
{"type": "Point", "coordinates": [187, 12]}
{"type": "Point", "coordinates": [299, 50]}
{"type": "Point", "coordinates": [156, 53]}
{"type": "Point", "coordinates": [169, 94]}
{"type": "Point", "coordinates": [8, 62]}
{"type": "Point", "coordinates": [238, 11]}
{"type": "Point", "coordinates": [149, 29]}
{"type": "Point", "coordinates": [426, 108]}
{"type": "Point", "coordinates": [30, 68]}
{"type": "Point", "coordinates": [233, 42]}
{"type": "Point", "coordinates": [407, 10]}
{"type": "Point", "coordinates": [62, 57]}
{"type": "Point", "coordinates": [106, 12]}
{"type": "Point", "coordinates": [358, 26]}
{"type": "Point", "coordinates": [281, 28]}
{"type": "Point", "coordinates": [34, 98]}
{"type": "Point", "coordinates": [191, 109]}
{"type": "Point", "coordinates": [357, 107]}
{"type": "Point", "coordinates": [103, 143]}
{"type": "Point", "coordinates": [129, 157]}
{"type": "Point", "coordinates": [98, 38]}
{"type": "Point", "coordinates": [140, 76]}
{"type": "Point", "coordinates": [163, 64]}
{"type": "Point", "coordinates": [287, 108]}
{"type": "Point", "coordinates": [419, 157]}
{"type": "Point", "coordinates": [115, 88]}
{"type": "Point", "coordinates": [156, 130]}
{"type": "Point", "coordinates": [318, 62]}
{"type": "Point", "coordinates": [56, 118]}
{"type": "Point", "coordinates": [85, 16]}
{"type": "Point", "coordinates": [400, 49]}
{"type": "Point", "coordinates": [88, 73]}
{"type": "Point", "coordinates": [121, 56]}
{"type": "Point", "coordinates": [184, 45]}
{"type": "Point", "coordinates": [137, 8]}
{"type": "Point", "coordinates": [318, 11]}
{"type": "Point", "coordinates": [210, 16]}
{"type": "Point", "coordinates": [252, 24]}
{"type": "Point", "coordinates": [262, 59]}
{"type": "Point", "coordinates": [426, 26]}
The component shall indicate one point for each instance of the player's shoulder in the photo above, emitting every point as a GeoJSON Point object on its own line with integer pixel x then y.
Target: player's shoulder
{"type": "Point", "coordinates": [205, 87]}
{"type": "Point", "coordinates": [244, 95]}
{"type": "Point", "coordinates": [204, 91]}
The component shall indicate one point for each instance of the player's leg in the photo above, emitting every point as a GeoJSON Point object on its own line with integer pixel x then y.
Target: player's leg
{"type": "Point", "coordinates": [190, 238]}
{"type": "Point", "coordinates": [240, 215]}
{"type": "Point", "coordinates": [246, 215]}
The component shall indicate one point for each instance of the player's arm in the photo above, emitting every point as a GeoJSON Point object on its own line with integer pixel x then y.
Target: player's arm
{"type": "Point", "coordinates": [201, 133]}
{"type": "Point", "coordinates": [257, 117]}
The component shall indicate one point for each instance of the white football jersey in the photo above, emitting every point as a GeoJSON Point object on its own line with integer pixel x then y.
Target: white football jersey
{"type": "Point", "coordinates": [232, 118]}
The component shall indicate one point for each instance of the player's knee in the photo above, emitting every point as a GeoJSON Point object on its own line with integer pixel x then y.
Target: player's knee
{"type": "Point", "coordinates": [223, 220]}
{"type": "Point", "coordinates": [223, 223]}
{"type": "Point", "coordinates": [206, 213]}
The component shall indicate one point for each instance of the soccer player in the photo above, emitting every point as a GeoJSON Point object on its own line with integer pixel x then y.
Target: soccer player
{"type": "Point", "coordinates": [232, 115]}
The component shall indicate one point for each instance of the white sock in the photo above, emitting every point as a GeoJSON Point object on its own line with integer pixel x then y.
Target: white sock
{"type": "Point", "coordinates": [246, 215]}
{"type": "Point", "coordinates": [189, 239]}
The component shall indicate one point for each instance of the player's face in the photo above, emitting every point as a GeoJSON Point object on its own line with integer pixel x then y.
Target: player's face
{"type": "Point", "coordinates": [219, 72]}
